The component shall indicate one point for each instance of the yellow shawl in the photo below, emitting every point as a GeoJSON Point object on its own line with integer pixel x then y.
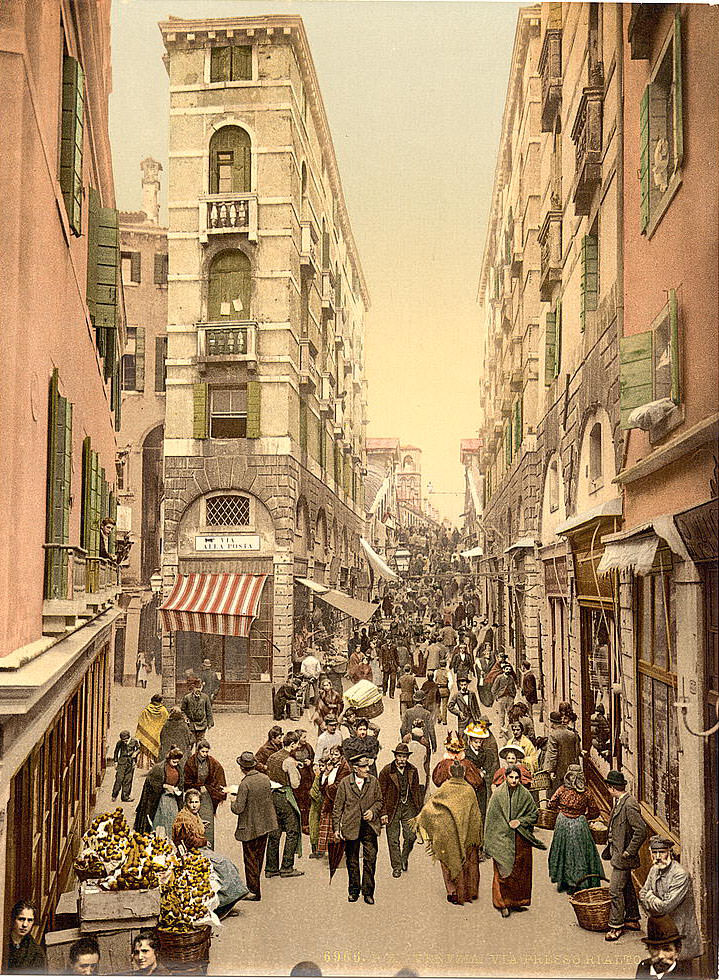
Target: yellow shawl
{"type": "Point", "coordinates": [450, 823]}
{"type": "Point", "coordinates": [149, 725]}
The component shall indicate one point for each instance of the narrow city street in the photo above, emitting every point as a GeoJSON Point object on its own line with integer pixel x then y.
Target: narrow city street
{"type": "Point", "coordinates": [411, 925]}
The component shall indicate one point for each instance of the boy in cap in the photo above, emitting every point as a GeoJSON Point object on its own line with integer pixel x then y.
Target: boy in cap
{"type": "Point", "coordinates": [326, 739]}
{"type": "Point", "coordinates": [664, 945]}
{"type": "Point", "coordinates": [668, 891]}
{"type": "Point", "coordinates": [626, 834]}
{"type": "Point", "coordinates": [125, 757]}
{"type": "Point", "coordinates": [402, 800]}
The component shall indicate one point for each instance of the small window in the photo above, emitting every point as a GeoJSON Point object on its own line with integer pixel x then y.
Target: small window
{"type": "Point", "coordinates": [228, 413]}
{"type": "Point", "coordinates": [227, 510]}
{"type": "Point", "coordinates": [595, 454]}
{"type": "Point", "coordinates": [131, 267]}
{"type": "Point", "coordinates": [161, 268]}
{"type": "Point", "coordinates": [230, 161]}
{"type": "Point", "coordinates": [129, 372]}
{"type": "Point", "coordinates": [553, 486]}
{"type": "Point", "coordinates": [231, 63]}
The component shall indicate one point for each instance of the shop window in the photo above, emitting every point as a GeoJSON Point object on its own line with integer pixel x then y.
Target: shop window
{"type": "Point", "coordinates": [227, 510]}
{"type": "Point", "coordinates": [656, 669]}
{"type": "Point", "coordinates": [231, 63]}
{"type": "Point", "coordinates": [595, 456]}
{"type": "Point", "coordinates": [600, 708]}
{"type": "Point", "coordinates": [230, 161]}
{"type": "Point", "coordinates": [228, 413]}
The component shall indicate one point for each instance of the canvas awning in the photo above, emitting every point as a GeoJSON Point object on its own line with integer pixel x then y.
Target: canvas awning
{"type": "Point", "coordinates": [377, 564]}
{"type": "Point", "coordinates": [224, 603]}
{"type": "Point", "coordinates": [663, 527]}
{"type": "Point", "coordinates": [379, 496]}
{"type": "Point", "coordinates": [355, 608]}
{"type": "Point", "coordinates": [636, 554]}
{"type": "Point", "coordinates": [472, 553]}
{"type": "Point", "coordinates": [474, 493]}
{"type": "Point", "coordinates": [312, 586]}
{"type": "Point", "coordinates": [610, 508]}
{"type": "Point", "coordinates": [520, 545]}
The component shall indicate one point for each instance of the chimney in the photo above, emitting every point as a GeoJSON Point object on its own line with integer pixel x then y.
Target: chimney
{"type": "Point", "coordinates": [151, 189]}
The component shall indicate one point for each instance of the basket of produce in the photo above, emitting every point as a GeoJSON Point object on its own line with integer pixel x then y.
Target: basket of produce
{"type": "Point", "coordinates": [591, 907]}
{"type": "Point", "coordinates": [366, 699]}
{"type": "Point", "coordinates": [541, 780]}
{"type": "Point", "coordinates": [371, 710]}
{"type": "Point", "coordinates": [192, 946]}
{"type": "Point", "coordinates": [600, 831]}
{"type": "Point", "coordinates": [546, 819]}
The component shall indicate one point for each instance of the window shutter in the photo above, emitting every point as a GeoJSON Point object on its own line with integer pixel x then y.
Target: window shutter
{"type": "Point", "coordinates": [508, 444]}
{"type": "Point", "coordinates": [199, 409]}
{"type": "Point", "coordinates": [93, 214]}
{"type": "Point", "coordinates": [160, 363]}
{"type": "Point", "coordinates": [87, 498]}
{"type": "Point", "coordinates": [635, 374]}
{"type": "Point", "coordinates": [160, 268]}
{"type": "Point", "coordinates": [325, 250]}
{"type": "Point", "coordinates": [678, 86]}
{"type": "Point", "coordinates": [253, 409]}
{"type": "Point", "coordinates": [550, 348]}
{"type": "Point", "coordinates": [116, 393]}
{"type": "Point", "coordinates": [558, 349]}
{"type": "Point", "coordinates": [241, 62]}
{"type": "Point", "coordinates": [518, 424]}
{"type": "Point", "coordinates": [135, 267]}
{"type": "Point", "coordinates": [140, 359]}
{"type": "Point", "coordinates": [590, 277]}
{"type": "Point", "coordinates": [644, 173]}
{"type": "Point", "coordinates": [106, 277]}
{"type": "Point", "coordinates": [303, 425]}
{"type": "Point", "coordinates": [95, 494]}
{"type": "Point", "coordinates": [220, 64]}
{"type": "Point", "coordinates": [71, 141]}
{"type": "Point", "coordinates": [674, 346]}
{"type": "Point", "coordinates": [59, 466]}
{"type": "Point", "coordinates": [112, 512]}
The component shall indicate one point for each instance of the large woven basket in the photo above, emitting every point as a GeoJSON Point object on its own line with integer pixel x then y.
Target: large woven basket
{"type": "Point", "coordinates": [541, 780]}
{"type": "Point", "coordinates": [591, 907]}
{"type": "Point", "coordinates": [185, 947]}
{"type": "Point", "coordinates": [370, 710]}
{"type": "Point", "coordinates": [600, 836]}
{"type": "Point", "coordinates": [546, 819]}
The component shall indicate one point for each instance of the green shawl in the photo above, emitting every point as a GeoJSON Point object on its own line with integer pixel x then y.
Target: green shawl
{"type": "Point", "coordinates": [498, 835]}
{"type": "Point", "coordinates": [450, 823]}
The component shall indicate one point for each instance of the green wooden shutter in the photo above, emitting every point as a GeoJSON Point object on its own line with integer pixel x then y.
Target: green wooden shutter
{"type": "Point", "coordinates": [59, 470]}
{"type": "Point", "coordinates": [590, 277]}
{"type": "Point", "coordinates": [253, 409]}
{"type": "Point", "coordinates": [140, 359]}
{"type": "Point", "coordinates": [160, 268]}
{"type": "Point", "coordinates": [106, 290]}
{"type": "Point", "coordinates": [199, 410]}
{"type": "Point", "coordinates": [241, 62]}
{"type": "Point", "coordinates": [678, 86]}
{"type": "Point", "coordinates": [674, 346]}
{"type": "Point", "coordinates": [112, 512]}
{"type": "Point", "coordinates": [116, 393]}
{"type": "Point", "coordinates": [550, 348]}
{"type": "Point", "coordinates": [303, 425]}
{"type": "Point", "coordinates": [160, 362]}
{"type": "Point", "coordinates": [86, 506]}
{"type": "Point", "coordinates": [93, 214]}
{"type": "Point", "coordinates": [644, 174]}
{"type": "Point", "coordinates": [220, 62]}
{"type": "Point", "coordinates": [71, 140]}
{"type": "Point", "coordinates": [508, 443]}
{"type": "Point", "coordinates": [635, 376]}
{"type": "Point", "coordinates": [232, 139]}
{"type": "Point", "coordinates": [230, 279]}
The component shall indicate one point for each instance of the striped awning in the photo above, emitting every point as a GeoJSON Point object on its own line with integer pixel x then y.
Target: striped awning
{"type": "Point", "coordinates": [223, 603]}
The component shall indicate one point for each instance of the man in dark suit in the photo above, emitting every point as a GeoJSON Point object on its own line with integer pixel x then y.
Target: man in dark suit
{"type": "Point", "coordinates": [389, 664]}
{"type": "Point", "coordinates": [626, 834]}
{"type": "Point", "coordinates": [664, 945]}
{"type": "Point", "coordinates": [464, 704]}
{"type": "Point", "coordinates": [403, 798]}
{"type": "Point", "coordinates": [356, 818]}
{"type": "Point", "coordinates": [562, 750]}
{"type": "Point", "coordinates": [256, 818]}
{"type": "Point", "coordinates": [418, 715]}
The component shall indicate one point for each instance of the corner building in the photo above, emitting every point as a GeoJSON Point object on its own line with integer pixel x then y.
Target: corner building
{"type": "Point", "coordinates": [265, 402]}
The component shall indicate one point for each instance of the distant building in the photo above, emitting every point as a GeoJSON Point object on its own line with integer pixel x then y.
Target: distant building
{"type": "Point", "coordinates": [63, 335]}
{"type": "Point", "coordinates": [144, 264]}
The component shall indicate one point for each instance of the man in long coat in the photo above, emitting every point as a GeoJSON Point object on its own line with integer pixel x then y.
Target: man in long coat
{"type": "Point", "coordinates": [402, 796]}
{"type": "Point", "coordinates": [418, 715]}
{"type": "Point", "coordinates": [256, 818]}
{"type": "Point", "coordinates": [562, 750]}
{"type": "Point", "coordinates": [668, 891]}
{"type": "Point", "coordinates": [356, 818]}
{"type": "Point", "coordinates": [626, 833]}
{"type": "Point", "coordinates": [197, 708]}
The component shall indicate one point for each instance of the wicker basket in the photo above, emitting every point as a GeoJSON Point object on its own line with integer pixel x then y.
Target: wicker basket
{"type": "Point", "coordinates": [546, 819]}
{"type": "Point", "coordinates": [600, 836]}
{"type": "Point", "coordinates": [371, 710]}
{"type": "Point", "coordinates": [541, 780]}
{"type": "Point", "coordinates": [591, 907]}
{"type": "Point", "coordinates": [185, 947]}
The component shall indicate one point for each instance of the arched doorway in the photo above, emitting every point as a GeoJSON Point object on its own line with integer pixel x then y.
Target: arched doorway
{"type": "Point", "coordinates": [152, 455]}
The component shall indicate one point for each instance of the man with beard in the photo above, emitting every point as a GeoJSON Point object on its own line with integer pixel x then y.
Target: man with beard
{"type": "Point", "coordinates": [668, 891]}
{"type": "Point", "coordinates": [402, 800]}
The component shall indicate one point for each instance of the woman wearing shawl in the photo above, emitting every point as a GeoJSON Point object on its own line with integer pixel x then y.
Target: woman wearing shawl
{"type": "Point", "coordinates": [451, 826]}
{"type": "Point", "coordinates": [177, 732]}
{"type": "Point", "coordinates": [336, 768]}
{"type": "Point", "coordinates": [207, 776]}
{"type": "Point", "coordinates": [508, 840]}
{"type": "Point", "coordinates": [189, 830]}
{"type": "Point", "coordinates": [573, 854]}
{"type": "Point", "coordinates": [163, 787]}
{"type": "Point", "coordinates": [149, 725]}
{"type": "Point", "coordinates": [329, 702]}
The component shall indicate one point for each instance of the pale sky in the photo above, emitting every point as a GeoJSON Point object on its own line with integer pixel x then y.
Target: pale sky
{"type": "Point", "coordinates": [414, 94]}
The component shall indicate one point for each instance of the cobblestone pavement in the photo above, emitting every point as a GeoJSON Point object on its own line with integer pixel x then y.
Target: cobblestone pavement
{"type": "Point", "coordinates": [411, 925]}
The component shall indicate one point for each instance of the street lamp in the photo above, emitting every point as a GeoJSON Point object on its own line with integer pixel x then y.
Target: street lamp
{"type": "Point", "coordinates": [156, 582]}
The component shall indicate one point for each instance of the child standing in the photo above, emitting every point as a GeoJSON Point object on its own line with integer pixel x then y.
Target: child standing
{"type": "Point", "coordinates": [125, 757]}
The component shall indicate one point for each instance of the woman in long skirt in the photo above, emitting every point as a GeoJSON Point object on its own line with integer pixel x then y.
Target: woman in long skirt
{"type": "Point", "coordinates": [574, 860]}
{"type": "Point", "coordinates": [206, 775]}
{"type": "Point", "coordinates": [161, 794]}
{"type": "Point", "coordinates": [336, 768]}
{"type": "Point", "coordinates": [508, 840]}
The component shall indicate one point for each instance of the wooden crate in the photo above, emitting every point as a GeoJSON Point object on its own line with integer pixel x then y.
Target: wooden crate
{"type": "Point", "coordinates": [102, 911]}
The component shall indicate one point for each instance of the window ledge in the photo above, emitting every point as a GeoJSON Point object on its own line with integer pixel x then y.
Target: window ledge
{"type": "Point", "coordinates": [674, 184]}
{"type": "Point", "coordinates": [595, 485]}
{"type": "Point", "coordinates": [235, 83]}
{"type": "Point", "coordinates": [130, 282]}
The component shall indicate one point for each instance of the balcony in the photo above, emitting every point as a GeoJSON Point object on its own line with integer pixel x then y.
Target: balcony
{"type": "Point", "coordinates": [587, 138]}
{"type": "Point", "coordinates": [326, 395]}
{"type": "Point", "coordinates": [328, 292]}
{"type": "Point", "coordinates": [228, 214]}
{"type": "Point", "coordinates": [550, 243]}
{"type": "Point", "coordinates": [356, 376]}
{"type": "Point", "coordinates": [309, 247]}
{"type": "Point", "coordinates": [550, 69]}
{"type": "Point", "coordinates": [309, 378]}
{"type": "Point", "coordinates": [227, 343]}
{"type": "Point", "coordinates": [82, 585]}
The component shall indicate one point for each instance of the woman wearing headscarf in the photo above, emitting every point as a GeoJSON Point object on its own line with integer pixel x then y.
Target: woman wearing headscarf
{"type": "Point", "coordinates": [450, 824]}
{"type": "Point", "coordinates": [573, 855]}
{"type": "Point", "coordinates": [508, 840]}
{"type": "Point", "coordinates": [149, 725]}
{"type": "Point", "coordinates": [329, 702]}
{"type": "Point", "coordinates": [161, 795]}
{"type": "Point", "coordinates": [206, 775]}
{"type": "Point", "coordinates": [177, 732]}
{"type": "Point", "coordinates": [189, 830]}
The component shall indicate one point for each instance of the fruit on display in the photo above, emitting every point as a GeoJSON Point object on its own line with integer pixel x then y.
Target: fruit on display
{"type": "Point", "coordinates": [124, 859]}
{"type": "Point", "coordinates": [186, 895]}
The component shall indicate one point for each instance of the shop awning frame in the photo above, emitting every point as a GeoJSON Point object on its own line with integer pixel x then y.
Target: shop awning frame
{"type": "Point", "coordinates": [472, 553]}
{"type": "Point", "coordinates": [610, 508]}
{"type": "Point", "coordinates": [635, 554]}
{"type": "Point", "coordinates": [313, 586]}
{"type": "Point", "coordinates": [355, 608]}
{"type": "Point", "coordinates": [221, 603]}
{"type": "Point", "coordinates": [377, 564]}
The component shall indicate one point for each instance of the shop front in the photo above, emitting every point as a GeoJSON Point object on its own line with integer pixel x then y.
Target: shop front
{"type": "Point", "coordinates": [557, 625]}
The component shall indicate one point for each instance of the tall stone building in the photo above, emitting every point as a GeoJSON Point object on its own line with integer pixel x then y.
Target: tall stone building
{"type": "Point", "coordinates": [264, 432]}
{"type": "Point", "coordinates": [63, 334]}
{"type": "Point", "coordinates": [144, 258]}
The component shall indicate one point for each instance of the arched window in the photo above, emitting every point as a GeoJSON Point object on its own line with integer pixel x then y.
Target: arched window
{"type": "Point", "coordinates": [228, 293]}
{"type": "Point", "coordinates": [595, 453]}
{"type": "Point", "coordinates": [230, 161]}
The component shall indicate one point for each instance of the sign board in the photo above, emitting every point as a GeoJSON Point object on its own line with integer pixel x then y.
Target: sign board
{"type": "Point", "coordinates": [124, 518]}
{"type": "Point", "coordinates": [227, 542]}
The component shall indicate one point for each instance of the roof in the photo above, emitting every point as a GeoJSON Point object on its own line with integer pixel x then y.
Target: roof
{"type": "Point", "coordinates": [293, 27]}
{"type": "Point", "coordinates": [371, 444]}
{"type": "Point", "coordinates": [470, 445]}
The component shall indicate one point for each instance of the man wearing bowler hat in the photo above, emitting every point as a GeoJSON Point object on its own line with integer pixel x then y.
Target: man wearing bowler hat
{"type": "Point", "coordinates": [664, 945]}
{"type": "Point", "coordinates": [626, 834]}
{"type": "Point", "coordinates": [402, 800]}
{"type": "Point", "coordinates": [418, 715]}
{"type": "Point", "coordinates": [668, 891]}
{"type": "Point", "coordinates": [256, 818]}
{"type": "Point", "coordinates": [356, 819]}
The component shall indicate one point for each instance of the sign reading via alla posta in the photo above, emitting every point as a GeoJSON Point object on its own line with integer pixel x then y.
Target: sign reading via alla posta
{"type": "Point", "coordinates": [227, 542]}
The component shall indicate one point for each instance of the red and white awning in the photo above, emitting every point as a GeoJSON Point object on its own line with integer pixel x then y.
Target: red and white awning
{"type": "Point", "coordinates": [224, 603]}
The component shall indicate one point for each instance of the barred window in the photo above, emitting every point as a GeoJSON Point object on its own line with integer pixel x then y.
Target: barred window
{"type": "Point", "coordinates": [228, 510]}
